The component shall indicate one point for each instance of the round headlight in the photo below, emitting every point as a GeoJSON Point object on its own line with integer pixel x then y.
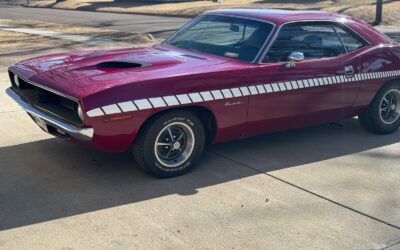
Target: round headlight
{"type": "Point", "coordinates": [16, 81]}
{"type": "Point", "coordinates": [80, 112]}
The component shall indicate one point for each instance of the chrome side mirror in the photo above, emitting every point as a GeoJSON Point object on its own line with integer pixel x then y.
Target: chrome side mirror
{"type": "Point", "coordinates": [294, 58]}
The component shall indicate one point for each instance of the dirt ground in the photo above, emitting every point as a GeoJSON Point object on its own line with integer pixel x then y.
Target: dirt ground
{"type": "Point", "coordinates": [364, 9]}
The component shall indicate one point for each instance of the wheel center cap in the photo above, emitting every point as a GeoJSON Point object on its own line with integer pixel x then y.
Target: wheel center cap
{"type": "Point", "coordinates": [393, 107]}
{"type": "Point", "coordinates": [176, 145]}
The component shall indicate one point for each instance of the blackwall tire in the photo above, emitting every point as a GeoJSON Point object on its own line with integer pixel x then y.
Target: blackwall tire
{"type": "Point", "coordinates": [170, 144]}
{"type": "Point", "coordinates": [383, 114]}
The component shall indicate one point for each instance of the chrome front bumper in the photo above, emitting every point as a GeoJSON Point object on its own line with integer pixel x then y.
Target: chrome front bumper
{"type": "Point", "coordinates": [84, 134]}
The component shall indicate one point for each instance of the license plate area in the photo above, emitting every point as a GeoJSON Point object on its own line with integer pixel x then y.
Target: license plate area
{"type": "Point", "coordinates": [41, 123]}
{"type": "Point", "coordinates": [49, 128]}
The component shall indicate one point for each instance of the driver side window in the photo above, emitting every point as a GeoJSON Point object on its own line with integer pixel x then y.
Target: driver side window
{"type": "Point", "coordinates": [314, 40]}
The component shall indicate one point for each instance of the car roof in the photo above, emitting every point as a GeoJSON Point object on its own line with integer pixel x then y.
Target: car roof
{"type": "Point", "coordinates": [280, 16]}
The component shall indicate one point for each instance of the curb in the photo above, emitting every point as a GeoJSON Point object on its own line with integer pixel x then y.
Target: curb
{"type": "Point", "coordinates": [116, 12]}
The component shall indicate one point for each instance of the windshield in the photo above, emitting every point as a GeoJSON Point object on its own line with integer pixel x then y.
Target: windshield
{"type": "Point", "coordinates": [227, 36]}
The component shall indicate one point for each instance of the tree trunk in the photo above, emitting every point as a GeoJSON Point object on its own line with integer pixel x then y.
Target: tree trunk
{"type": "Point", "coordinates": [379, 10]}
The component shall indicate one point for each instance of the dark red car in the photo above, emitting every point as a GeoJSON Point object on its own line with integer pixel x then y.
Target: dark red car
{"type": "Point", "coordinates": [225, 75]}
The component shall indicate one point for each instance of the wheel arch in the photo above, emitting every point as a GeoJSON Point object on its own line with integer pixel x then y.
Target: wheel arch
{"type": "Point", "coordinates": [371, 118]}
{"type": "Point", "coordinates": [394, 80]}
{"type": "Point", "coordinates": [205, 114]}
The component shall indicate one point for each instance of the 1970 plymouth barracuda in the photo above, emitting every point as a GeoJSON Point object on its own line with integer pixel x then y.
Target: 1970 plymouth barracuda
{"type": "Point", "coordinates": [227, 74]}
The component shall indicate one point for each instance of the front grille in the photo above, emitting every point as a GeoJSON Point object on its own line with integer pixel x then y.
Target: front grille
{"type": "Point", "coordinates": [51, 103]}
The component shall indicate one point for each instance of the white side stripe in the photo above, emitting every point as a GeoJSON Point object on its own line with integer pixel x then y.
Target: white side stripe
{"type": "Point", "coordinates": [206, 96]}
{"type": "Point", "coordinates": [245, 91]}
{"type": "Point", "coordinates": [111, 109]}
{"type": "Point", "coordinates": [127, 106]}
{"type": "Point", "coordinates": [253, 90]}
{"type": "Point", "coordinates": [268, 88]}
{"type": "Point", "coordinates": [220, 94]}
{"type": "Point", "coordinates": [195, 97]}
{"type": "Point", "coordinates": [184, 99]}
{"type": "Point", "coordinates": [95, 112]}
{"type": "Point", "coordinates": [282, 86]}
{"type": "Point", "coordinates": [217, 94]}
{"type": "Point", "coordinates": [275, 87]}
{"type": "Point", "coordinates": [300, 84]}
{"type": "Point", "coordinates": [143, 104]}
{"type": "Point", "coordinates": [157, 102]}
{"type": "Point", "coordinates": [171, 100]}
{"type": "Point", "coordinates": [236, 92]}
{"type": "Point", "coordinates": [227, 93]}
{"type": "Point", "coordinates": [260, 89]}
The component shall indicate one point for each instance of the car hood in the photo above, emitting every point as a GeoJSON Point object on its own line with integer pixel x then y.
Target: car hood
{"type": "Point", "coordinates": [81, 73]}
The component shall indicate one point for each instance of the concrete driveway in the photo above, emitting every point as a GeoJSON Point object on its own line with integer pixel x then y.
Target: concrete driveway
{"type": "Point", "coordinates": [321, 187]}
{"type": "Point", "coordinates": [327, 187]}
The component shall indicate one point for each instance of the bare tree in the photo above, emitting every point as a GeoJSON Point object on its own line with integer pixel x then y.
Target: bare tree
{"type": "Point", "coordinates": [379, 10]}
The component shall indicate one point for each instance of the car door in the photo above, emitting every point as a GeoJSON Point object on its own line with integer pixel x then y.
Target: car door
{"type": "Point", "coordinates": [319, 89]}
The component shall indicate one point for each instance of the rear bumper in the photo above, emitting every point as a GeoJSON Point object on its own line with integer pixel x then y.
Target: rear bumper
{"type": "Point", "coordinates": [60, 127]}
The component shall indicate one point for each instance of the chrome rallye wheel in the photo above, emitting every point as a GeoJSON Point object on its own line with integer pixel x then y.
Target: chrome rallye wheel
{"type": "Point", "coordinates": [383, 114]}
{"type": "Point", "coordinates": [389, 109]}
{"type": "Point", "coordinates": [170, 144]}
{"type": "Point", "coordinates": [174, 144]}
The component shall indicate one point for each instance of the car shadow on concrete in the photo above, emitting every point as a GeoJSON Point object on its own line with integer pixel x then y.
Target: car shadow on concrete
{"type": "Point", "coordinates": [52, 179]}
{"type": "Point", "coordinates": [302, 146]}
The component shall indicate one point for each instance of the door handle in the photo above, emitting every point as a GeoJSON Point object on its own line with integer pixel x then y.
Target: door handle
{"type": "Point", "coordinates": [349, 71]}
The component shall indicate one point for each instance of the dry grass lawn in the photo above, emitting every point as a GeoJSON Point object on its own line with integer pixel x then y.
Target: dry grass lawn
{"type": "Point", "coordinates": [16, 46]}
{"type": "Point", "coordinates": [114, 35]}
{"type": "Point", "coordinates": [364, 9]}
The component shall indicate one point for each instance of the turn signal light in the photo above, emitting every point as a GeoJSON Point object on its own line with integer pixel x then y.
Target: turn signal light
{"type": "Point", "coordinates": [117, 118]}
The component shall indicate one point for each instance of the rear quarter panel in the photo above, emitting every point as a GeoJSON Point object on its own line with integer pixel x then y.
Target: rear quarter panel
{"type": "Point", "coordinates": [379, 58]}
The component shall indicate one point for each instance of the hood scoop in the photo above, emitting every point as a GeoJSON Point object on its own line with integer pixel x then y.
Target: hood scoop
{"type": "Point", "coordinates": [122, 64]}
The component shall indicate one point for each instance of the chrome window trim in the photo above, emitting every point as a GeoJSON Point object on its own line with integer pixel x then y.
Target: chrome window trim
{"type": "Point", "coordinates": [305, 21]}
{"type": "Point", "coordinates": [180, 30]}
{"type": "Point", "coordinates": [46, 88]}
{"type": "Point", "coordinates": [351, 31]}
{"type": "Point", "coordinates": [256, 58]}
{"type": "Point", "coordinates": [334, 27]}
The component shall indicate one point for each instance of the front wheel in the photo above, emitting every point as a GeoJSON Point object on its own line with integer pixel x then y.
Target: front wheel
{"type": "Point", "coordinates": [170, 144]}
{"type": "Point", "coordinates": [383, 114]}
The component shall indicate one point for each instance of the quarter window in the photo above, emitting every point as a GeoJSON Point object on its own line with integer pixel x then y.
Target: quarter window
{"type": "Point", "coordinates": [313, 40]}
{"type": "Point", "coordinates": [350, 40]}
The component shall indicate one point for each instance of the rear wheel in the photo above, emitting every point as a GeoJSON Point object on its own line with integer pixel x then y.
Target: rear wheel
{"type": "Point", "coordinates": [170, 144]}
{"type": "Point", "coordinates": [383, 114]}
